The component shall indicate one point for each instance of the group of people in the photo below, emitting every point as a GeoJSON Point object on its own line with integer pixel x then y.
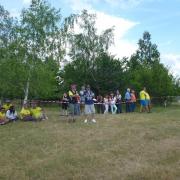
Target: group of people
{"type": "Point", "coordinates": [82, 102]}
{"type": "Point", "coordinates": [27, 113]}
{"type": "Point", "coordinates": [79, 103]}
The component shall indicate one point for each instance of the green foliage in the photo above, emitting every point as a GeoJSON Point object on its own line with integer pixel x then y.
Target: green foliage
{"type": "Point", "coordinates": [32, 48]}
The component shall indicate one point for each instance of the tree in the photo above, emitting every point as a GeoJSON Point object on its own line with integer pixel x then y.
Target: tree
{"type": "Point", "coordinates": [147, 52]}
{"type": "Point", "coordinates": [38, 34]}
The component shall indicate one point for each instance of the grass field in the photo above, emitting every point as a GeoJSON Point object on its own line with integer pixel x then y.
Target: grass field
{"type": "Point", "coordinates": [127, 146]}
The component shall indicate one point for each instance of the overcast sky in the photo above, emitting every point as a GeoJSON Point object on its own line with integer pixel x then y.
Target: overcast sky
{"type": "Point", "coordinates": [130, 18]}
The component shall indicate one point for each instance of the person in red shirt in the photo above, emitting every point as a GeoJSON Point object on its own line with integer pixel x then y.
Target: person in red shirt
{"type": "Point", "coordinates": [133, 100]}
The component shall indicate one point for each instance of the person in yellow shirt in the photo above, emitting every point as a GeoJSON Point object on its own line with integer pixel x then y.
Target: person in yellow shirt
{"type": "Point", "coordinates": [3, 119]}
{"type": "Point", "coordinates": [143, 103]}
{"type": "Point", "coordinates": [37, 112]}
{"type": "Point", "coordinates": [25, 113]}
{"type": "Point", "coordinates": [7, 105]}
{"type": "Point", "coordinates": [148, 101]}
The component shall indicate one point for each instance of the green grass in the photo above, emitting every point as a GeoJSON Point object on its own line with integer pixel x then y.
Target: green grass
{"type": "Point", "coordinates": [127, 146]}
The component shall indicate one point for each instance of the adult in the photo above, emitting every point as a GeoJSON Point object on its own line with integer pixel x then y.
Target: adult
{"type": "Point", "coordinates": [89, 105]}
{"type": "Point", "coordinates": [148, 101]}
{"type": "Point", "coordinates": [133, 100]}
{"type": "Point", "coordinates": [143, 103]}
{"type": "Point", "coordinates": [73, 100]}
{"type": "Point", "coordinates": [128, 100]}
{"type": "Point", "coordinates": [11, 114]}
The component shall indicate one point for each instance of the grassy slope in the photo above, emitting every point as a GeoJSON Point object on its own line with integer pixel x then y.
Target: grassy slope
{"type": "Point", "coordinates": [128, 146]}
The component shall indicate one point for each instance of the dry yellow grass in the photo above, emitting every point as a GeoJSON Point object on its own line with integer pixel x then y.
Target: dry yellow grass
{"type": "Point", "coordinates": [127, 146]}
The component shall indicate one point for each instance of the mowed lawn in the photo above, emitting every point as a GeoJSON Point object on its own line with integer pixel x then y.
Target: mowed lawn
{"type": "Point", "coordinates": [126, 146]}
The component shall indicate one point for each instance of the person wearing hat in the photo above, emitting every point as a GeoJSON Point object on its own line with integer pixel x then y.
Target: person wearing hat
{"type": "Point", "coordinates": [89, 105]}
{"type": "Point", "coordinates": [7, 105]}
{"type": "Point", "coordinates": [73, 100]}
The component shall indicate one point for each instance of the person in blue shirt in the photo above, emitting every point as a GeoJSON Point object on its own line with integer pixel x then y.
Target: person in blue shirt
{"type": "Point", "coordinates": [128, 100]}
{"type": "Point", "coordinates": [89, 105]}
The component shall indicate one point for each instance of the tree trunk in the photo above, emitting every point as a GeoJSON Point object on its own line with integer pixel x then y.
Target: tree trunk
{"type": "Point", "coordinates": [26, 93]}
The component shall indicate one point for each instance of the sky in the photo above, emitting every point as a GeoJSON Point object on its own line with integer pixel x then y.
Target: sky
{"type": "Point", "coordinates": [130, 19]}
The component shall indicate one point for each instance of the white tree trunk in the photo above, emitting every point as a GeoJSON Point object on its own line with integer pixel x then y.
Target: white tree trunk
{"type": "Point", "coordinates": [26, 93]}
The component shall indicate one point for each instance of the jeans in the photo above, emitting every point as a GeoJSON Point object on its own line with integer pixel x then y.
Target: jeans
{"type": "Point", "coordinates": [119, 107]}
{"type": "Point", "coordinates": [128, 106]}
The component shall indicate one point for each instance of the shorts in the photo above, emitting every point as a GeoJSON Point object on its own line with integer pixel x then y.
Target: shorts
{"type": "Point", "coordinates": [148, 102]}
{"type": "Point", "coordinates": [143, 103]}
{"type": "Point", "coordinates": [89, 109]}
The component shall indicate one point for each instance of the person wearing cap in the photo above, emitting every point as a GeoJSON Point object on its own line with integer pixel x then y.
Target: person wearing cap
{"type": "Point", "coordinates": [128, 100]}
{"type": "Point", "coordinates": [7, 104]}
{"type": "Point", "coordinates": [89, 105]}
{"type": "Point", "coordinates": [73, 100]}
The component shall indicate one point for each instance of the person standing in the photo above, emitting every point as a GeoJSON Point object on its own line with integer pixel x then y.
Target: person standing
{"type": "Point", "coordinates": [118, 102]}
{"type": "Point", "coordinates": [100, 105]}
{"type": "Point", "coordinates": [148, 101]}
{"type": "Point", "coordinates": [128, 100]}
{"type": "Point", "coordinates": [106, 104]}
{"type": "Point", "coordinates": [82, 99]}
{"type": "Point", "coordinates": [73, 100]}
{"type": "Point", "coordinates": [89, 105]}
{"type": "Point", "coordinates": [113, 103]}
{"type": "Point", "coordinates": [64, 104]}
{"type": "Point", "coordinates": [143, 103]}
{"type": "Point", "coordinates": [133, 100]}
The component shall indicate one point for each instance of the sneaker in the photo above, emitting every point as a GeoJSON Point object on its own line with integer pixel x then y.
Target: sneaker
{"type": "Point", "coordinates": [93, 120]}
{"type": "Point", "coordinates": [85, 121]}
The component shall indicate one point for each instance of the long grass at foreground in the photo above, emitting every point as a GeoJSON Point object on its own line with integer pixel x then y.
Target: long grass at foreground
{"type": "Point", "coordinates": [127, 146]}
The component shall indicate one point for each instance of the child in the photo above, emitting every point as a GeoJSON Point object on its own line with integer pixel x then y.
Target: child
{"type": "Point", "coordinates": [11, 114]}
{"type": "Point", "coordinates": [64, 104]}
{"type": "Point", "coordinates": [106, 104]}
{"type": "Point", "coordinates": [25, 113]}
{"type": "Point", "coordinates": [113, 103]}
{"type": "Point", "coordinates": [7, 105]}
{"type": "Point", "coordinates": [118, 102]}
{"type": "Point", "coordinates": [3, 119]}
{"type": "Point", "coordinates": [37, 112]}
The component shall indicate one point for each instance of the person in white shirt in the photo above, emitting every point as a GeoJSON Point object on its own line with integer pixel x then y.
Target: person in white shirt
{"type": "Point", "coordinates": [113, 103]}
{"type": "Point", "coordinates": [106, 104]}
{"type": "Point", "coordinates": [11, 114]}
